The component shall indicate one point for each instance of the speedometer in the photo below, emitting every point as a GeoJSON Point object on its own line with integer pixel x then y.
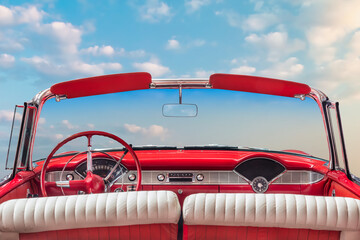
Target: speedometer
{"type": "Point", "coordinates": [260, 184]}
{"type": "Point", "coordinates": [102, 167]}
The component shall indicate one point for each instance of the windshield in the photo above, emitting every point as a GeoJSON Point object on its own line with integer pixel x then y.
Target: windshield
{"type": "Point", "coordinates": [230, 118]}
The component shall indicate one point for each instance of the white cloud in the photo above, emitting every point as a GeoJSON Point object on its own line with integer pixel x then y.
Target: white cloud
{"type": "Point", "coordinates": [284, 70]}
{"type": "Point", "coordinates": [152, 131]}
{"type": "Point", "coordinates": [153, 67]}
{"type": "Point", "coordinates": [91, 125]}
{"type": "Point", "coordinates": [68, 125]}
{"type": "Point", "coordinates": [156, 131]}
{"type": "Point", "coordinates": [7, 116]}
{"type": "Point", "coordinates": [243, 70]}
{"type": "Point", "coordinates": [46, 66]}
{"type": "Point", "coordinates": [10, 43]}
{"type": "Point", "coordinates": [59, 136]}
{"type": "Point", "coordinates": [339, 78]}
{"type": "Point", "coordinates": [355, 44]}
{"type": "Point", "coordinates": [20, 15]}
{"type": "Point", "coordinates": [233, 18]}
{"type": "Point", "coordinates": [323, 54]}
{"type": "Point", "coordinates": [65, 36]}
{"type": "Point", "coordinates": [194, 5]}
{"type": "Point", "coordinates": [197, 43]}
{"type": "Point", "coordinates": [155, 11]}
{"type": "Point", "coordinates": [136, 53]}
{"type": "Point", "coordinates": [6, 16]}
{"type": "Point", "coordinates": [132, 54]}
{"type": "Point", "coordinates": [172, 44]}
{"type": "Point", "coordinates": [6, 60]}
{"type": "Point", "coordinates": [42, 121]}
{"type": "Point", "coordinates": [28, 15]}
{"type": "Point", "coordinates": [259, 22]}
{"type": "Point", "coordinates": [203, 74]}
{"type": "Point", "coordinates": [258, 5]}
{"type": "Point", "coordinates": [64, 58]}
{"type": "Point", "coordinates": [132, 128]}
{"type": "Point", "coordinates": [96, 50]}
{"type": "Point", "coordinates": [277, 44]}
{"type": "Point", "coordinates": [327, 23]}
{"type": "Point", "coordinates": [253, 22]}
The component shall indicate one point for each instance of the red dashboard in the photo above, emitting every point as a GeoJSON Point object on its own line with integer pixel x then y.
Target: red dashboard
{"type": "Point", "coordinates": [194, 171]}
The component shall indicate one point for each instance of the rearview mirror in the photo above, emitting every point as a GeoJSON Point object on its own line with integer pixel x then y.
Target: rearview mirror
{"type": "Point", "coordinates": [179, 110]}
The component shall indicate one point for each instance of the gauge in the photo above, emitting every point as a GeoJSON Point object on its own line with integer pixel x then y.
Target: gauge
{"type": "Point", "coordinates": [260, 184]}
{"type": "Point", "coordinates": [102, 167]}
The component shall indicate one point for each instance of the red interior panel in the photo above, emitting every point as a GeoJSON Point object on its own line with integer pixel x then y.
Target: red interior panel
{"type": "Point", "coordinates": [153, 231]}
{"type": "Point", "coordinates": [198, 232]}
{"type": "Point", "coordinates": [102, 85]}
{"type": "Point", "coordinates": [340, 191]}
{"type": "Point", "coordinates": [17, 188]}
{"type": "Point", "coordinates": [258, 85]}
{"type": "Point", "coordinates": [342, 185]}
{"type": "Point", "coordinates": [19, 192]}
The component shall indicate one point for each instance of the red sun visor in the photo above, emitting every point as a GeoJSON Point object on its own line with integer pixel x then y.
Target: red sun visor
{"type": "Point", "coordinates": [102, 85]}
{"type": "Point", "coordinates": [258, 85]}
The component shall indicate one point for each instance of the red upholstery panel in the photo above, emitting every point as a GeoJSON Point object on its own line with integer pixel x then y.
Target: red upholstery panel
{"type": "Point", "coordinates": [341, 191]}
{"type": "Point", "coordinates": [103, 85]}
{"type": "Point", "coordinates": [151, 232]}
{"type": "Point", "coordinates": [258, 85]}
{"type": "Point", "coordinates": [18, 192]}
{"type": "Point", "coordinates": [197, 232]}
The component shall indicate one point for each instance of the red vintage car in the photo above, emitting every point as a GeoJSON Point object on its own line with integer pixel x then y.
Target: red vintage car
{"type": "Point", "coordinates": [125, 156]}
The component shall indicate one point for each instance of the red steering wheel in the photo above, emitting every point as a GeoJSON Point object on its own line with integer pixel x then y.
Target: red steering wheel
{"type": "Point", "coordinates": [92, 183]}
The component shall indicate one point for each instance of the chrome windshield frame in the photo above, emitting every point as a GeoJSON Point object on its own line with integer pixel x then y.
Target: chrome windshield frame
{"type": "Point", "coordinates": [190, 83]}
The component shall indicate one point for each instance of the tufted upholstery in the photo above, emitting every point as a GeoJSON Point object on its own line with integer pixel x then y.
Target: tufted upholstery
{"type": "Point", "coordinates": [275, 210]}
{"type": "Point", "coordinates": [88, 211]}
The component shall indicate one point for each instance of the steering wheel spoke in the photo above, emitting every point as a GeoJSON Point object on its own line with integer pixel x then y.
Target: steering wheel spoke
{"type": "Point", "coordinates": [92, 183]}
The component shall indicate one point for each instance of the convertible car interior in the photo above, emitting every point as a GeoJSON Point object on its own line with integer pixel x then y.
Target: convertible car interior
{"type": "Point", "coordinates": [149, 168]}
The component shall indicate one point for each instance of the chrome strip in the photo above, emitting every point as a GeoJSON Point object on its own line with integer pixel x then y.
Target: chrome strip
{"type": "Point", "coordinates": [210, 177]}
{"type": "Point", "coordinates": [319, 97]}
{"type": "Point", "coordinates": [55, 176]}
{"type": "Point", "coordinates": [299, 177]}
{"type": "Point", "coordinates": [63, 184]}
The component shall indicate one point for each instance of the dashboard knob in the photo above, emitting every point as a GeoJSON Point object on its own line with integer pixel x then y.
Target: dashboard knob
{"type": "Point", "coordinates": [161, 177]}
{"type": "Point", "coordinates": [200, 177]}
{"type": "Point", "coordinates": [132, 177]}
{"type": "Point", "coordinates": [69, 177]}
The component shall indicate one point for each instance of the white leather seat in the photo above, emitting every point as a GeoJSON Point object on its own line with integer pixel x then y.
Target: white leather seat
{"type": "Point", "coordinates": [86, 211]}
{"type": "Point", "coordinates": [275, 210]}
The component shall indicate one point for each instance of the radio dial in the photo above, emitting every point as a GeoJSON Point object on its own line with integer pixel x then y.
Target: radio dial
{"type": "Point", "coordinates": [161, 177]}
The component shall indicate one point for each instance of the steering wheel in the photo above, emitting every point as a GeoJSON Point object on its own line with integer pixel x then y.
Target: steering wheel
{"type": "Point", "coordinates": [92, 183]}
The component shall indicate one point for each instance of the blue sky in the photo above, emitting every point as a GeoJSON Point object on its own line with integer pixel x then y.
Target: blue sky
{"type": "Point", "coordinates": [312, 41]}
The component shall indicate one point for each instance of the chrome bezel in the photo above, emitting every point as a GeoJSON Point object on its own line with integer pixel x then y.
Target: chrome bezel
{"type": "Point", "coordinates": [250, 159]}
{"type": "Point", "coordinates": [253, 182]}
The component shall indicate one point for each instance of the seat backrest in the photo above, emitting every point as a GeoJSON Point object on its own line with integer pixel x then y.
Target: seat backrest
{"type": "Point", "coordinates": [339, 215]}
{"type": "Point", "coordinates": [101, 212]}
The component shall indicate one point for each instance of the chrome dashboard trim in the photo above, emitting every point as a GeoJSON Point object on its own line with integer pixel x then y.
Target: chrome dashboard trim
{"type": "Point", "coordinates": [290, 177]}
{"type": "Point", "coordinates": [298, 177]}
{"type": "Point", "coordinates": [55, 176]}
{"type": "Point", "coordinates": [210, 178]}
